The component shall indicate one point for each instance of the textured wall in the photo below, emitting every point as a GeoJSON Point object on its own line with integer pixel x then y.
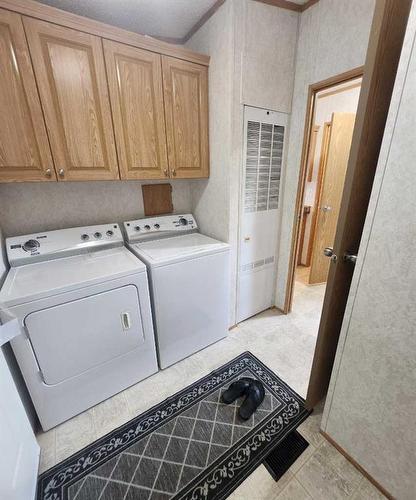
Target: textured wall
{"type": "Point", "coordinates": [210, 196]}
{"type": "Point", "coordinates": [333, 38]}
{"type": "Point", "coordinates": [252, 48]}
{"type": "Point", "coordinates": [370, 409]}
{"type": "Point", "coordinates": [30, 207]}
{"type": "Point", "coordinates": [268, 55]}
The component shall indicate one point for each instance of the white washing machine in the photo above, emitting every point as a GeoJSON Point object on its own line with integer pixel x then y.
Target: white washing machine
{"type": "Point", "coordinates": [83, 302]}
{"type": "Point", "coordinates": [189, 282]}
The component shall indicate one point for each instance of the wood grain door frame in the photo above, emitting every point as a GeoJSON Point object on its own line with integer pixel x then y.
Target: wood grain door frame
{"type": "Point", "coordinates": [308, 131]}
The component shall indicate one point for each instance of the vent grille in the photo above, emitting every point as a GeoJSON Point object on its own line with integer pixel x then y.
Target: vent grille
{"type": "Point", "coordinates": [263, 166]}
{"type": "Point", "coordinates": [257, 264]}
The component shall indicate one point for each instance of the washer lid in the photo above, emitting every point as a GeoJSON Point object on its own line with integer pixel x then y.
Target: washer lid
{"type": "Point", "coordinates": [168, 250]}
{"type": "Point", "coordinates": [44, 279]}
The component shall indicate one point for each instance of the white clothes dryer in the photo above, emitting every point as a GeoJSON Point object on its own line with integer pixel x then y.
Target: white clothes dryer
{"type": "Point", "coordinates": [83, 302]}
{"type": "Point", "coordinates": [189, 282]}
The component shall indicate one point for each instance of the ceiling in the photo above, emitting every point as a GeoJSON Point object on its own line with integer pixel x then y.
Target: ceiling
{"type": "Point", "coordinates": [161, 18]}
{"type": "Point", "coordinates": [169, 19]}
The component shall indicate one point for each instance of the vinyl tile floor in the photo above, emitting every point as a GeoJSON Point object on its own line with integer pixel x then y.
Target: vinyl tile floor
{"type": "Point", "coordinates": [285, 343]}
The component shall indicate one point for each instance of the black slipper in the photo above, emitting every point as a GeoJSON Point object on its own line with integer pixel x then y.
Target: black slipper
{"type": "Point", "coordinates": [253, 400]}
{"type": "Point", "coordinates": [236, 389]}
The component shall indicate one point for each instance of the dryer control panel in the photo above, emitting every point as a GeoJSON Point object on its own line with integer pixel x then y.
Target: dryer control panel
{"type": "Point", "coordinates": [50, 245]}
{"type": "Point", "coordinates": [159, 227]}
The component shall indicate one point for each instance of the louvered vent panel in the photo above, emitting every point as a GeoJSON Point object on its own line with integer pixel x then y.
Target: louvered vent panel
{"type": "Point", "coordinates": [263, 166]}
{"type": "Point", "coordinates": [257, 264]}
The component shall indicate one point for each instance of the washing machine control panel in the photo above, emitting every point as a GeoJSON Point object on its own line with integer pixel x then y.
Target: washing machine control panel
{"type": "Point", "coordinates": [156, 227]}
{"type": "Point", "coordinates": [62, 243]}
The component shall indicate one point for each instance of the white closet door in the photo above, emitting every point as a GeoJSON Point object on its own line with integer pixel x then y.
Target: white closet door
{"type": "Point", "coordinates": [19, 458]}
{"type": "Point", "coordinates": [265, 133]}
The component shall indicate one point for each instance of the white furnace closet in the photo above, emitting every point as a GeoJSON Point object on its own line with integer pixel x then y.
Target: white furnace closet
{"type": "Point", "coordinates": [265, 134]}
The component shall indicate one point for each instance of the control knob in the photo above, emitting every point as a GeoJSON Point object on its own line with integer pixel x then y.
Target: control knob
{"type": "Point", "coordinates": [137, 228]}
{"type": "Point", "coordinates": [147, 227]}
{"type": "Point", "coordinates": [109, 233]}
{"type": "Point", "coordinates": [85, 237]}
{"type": "Point", "coordinates": [183, 221]}
{"type": "Point", "coordinates": [157, 226]}
{"type": "Point", "coordinates": [31, 245]}
{"type": "Point", "coordinates": [97, 235]}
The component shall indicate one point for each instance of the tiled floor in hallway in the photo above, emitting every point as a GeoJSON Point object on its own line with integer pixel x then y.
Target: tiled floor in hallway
{"type": "Point", "coordinates": [286, 345]}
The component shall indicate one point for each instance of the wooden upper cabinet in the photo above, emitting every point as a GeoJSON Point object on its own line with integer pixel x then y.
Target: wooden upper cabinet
{"type": "Point", "coordinates": [24, 146]}
{"type": "Point", "coordinates": [136, 93]}
{"type": "Point", "coordinates": [70, 71]}
{"type": "Point", "coordinates": [185, 87]}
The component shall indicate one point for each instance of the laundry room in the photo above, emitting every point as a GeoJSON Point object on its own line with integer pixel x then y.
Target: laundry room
{"type": "Point", "coordinates": [193, 198]}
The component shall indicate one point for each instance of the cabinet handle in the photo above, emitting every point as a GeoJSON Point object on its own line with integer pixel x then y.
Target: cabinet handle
{"type": "Point", "coordinates": [166, 172]}
{"type": "Point", "coordinates": [48, 172]}
{"type": "Point", "coordinates": [174, 173]}
{"type": "Point", "coordinates": [61, 172]}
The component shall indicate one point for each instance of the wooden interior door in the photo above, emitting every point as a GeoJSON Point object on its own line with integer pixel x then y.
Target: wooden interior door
{"type": "Point", "coordinates": [321, 169]}
{"type": "Point", "coordinates": [185, 87]}
{"type": "Point", "coordinates": [136, 93]}
{"type": "Point", "coordinates": [70, 71]}
{"type": "Point", "coordinates": [342, 126]}
{"type": "Point", "coordinates": [24, 148]}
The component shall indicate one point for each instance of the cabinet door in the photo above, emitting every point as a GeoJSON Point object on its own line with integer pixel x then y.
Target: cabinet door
{"type": "Point", "coordinates": [185, 87]}
{"type": "Point", "coordinates": [136, 93]}
{"type": "Point", "coordinates": [24, 146]}
{"type": "Point", "coordinates": [69, 68]}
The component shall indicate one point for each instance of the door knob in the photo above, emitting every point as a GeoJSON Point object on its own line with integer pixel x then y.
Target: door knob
{"type": "Point", "coordinates": [350, 258]}
{"type": "Point", "coordinates": [326, 208]}
{"type": "Point", "coordinates": [329, 252]}
{"type": "Point", "coordinates": [247, 238]}
{"type": "Point", "coordinates": [61, 172]}
{"type": "Point", "coordinates": [174, 173]}
{"type": "Point", "coordinates": [48, 172]}
{"type": "Point", "coordinates": [166, 172]}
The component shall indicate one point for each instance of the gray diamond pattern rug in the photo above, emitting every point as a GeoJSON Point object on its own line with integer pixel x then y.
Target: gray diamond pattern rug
{"type": "Point", "coordinates": [190, 446]}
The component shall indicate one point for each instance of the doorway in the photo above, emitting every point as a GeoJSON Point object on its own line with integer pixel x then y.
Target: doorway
{"type": "Point", "coordinates": [332, 123]}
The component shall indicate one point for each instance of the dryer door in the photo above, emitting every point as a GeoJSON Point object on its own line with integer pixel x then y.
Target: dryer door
{"type": "Point", "coordinates": [71, 338]}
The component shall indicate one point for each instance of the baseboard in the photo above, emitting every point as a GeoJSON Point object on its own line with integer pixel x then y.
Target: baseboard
{"type": "Point", "coordinates": [357, 466]}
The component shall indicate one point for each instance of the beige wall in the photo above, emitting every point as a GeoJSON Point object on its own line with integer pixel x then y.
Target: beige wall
{"type": "Point", "coordinates": [333, 38]}
{"type": "Point", "coordinates": [268, 55]}
{"type": "Point", "coordinates": [210, 196]}
{"type": "Point", "coordinates": [30, 207]}
{"type": "Point", "coordinates": [371, 406]}
{"type": "Point", "coordinates": [252, 47]}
